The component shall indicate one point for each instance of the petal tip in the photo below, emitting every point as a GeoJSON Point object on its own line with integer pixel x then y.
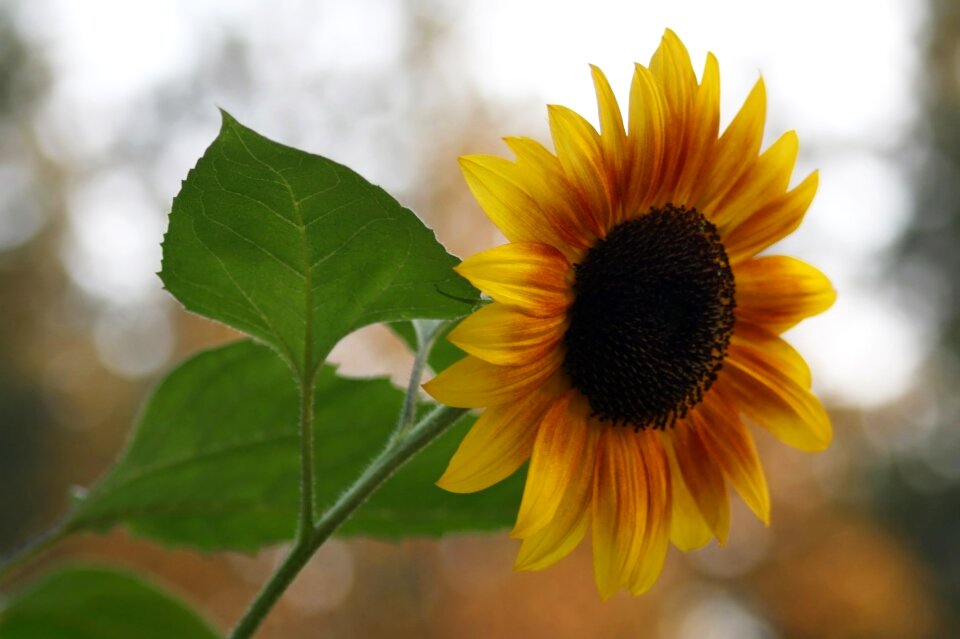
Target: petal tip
{"type": "Point", "coordinates": [670, 34]}
{"type": "Point", "coordinates": [451, 485]}
{"type": "Point", "coordinates": [822, 442]}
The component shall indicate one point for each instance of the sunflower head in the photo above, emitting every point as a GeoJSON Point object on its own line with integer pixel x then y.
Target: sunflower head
{"type": "Point", "coordinates": [633, 325]}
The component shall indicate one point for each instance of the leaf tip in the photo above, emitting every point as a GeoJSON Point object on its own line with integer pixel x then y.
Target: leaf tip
{"type": "Point", "coordinates": [225, 117]}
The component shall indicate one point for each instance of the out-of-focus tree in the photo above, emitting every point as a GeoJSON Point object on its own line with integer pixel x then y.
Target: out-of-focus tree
{"type": "Point", "coordinates": [25, 418]}
{"type": "Point", "coordinates": [920, 493]}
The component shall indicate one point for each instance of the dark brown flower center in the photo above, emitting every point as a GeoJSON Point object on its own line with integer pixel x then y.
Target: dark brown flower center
{"type": "Point", "coordinates": [651, 319]}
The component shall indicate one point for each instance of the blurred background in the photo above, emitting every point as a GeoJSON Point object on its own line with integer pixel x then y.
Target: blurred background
{"type": "Point", "coordinates": [105, 105]}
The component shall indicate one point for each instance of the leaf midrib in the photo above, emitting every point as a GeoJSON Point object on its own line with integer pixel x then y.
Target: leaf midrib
{"type": "Point", "coordinates": [309, 367]}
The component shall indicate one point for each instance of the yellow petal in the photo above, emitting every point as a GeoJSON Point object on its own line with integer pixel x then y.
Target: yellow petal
{"type": "Point", "coordinates": [541, 175]}
{"type": "Point", "coordinates": [558, 451]}
{"type": "Point", "coordinates": [613, 137]}
{"type": "Point", "coordinates": [703, 478]}
{"type": "Point", "coordinates": [732, 447]}
{"type": "Point", "coordinates": [502, 189]}
{"type": "Point", "coordinates": [737, 149]}
{"type": "Point", "coordinates": [688, 529]}
{"type": "Point", "coordinates": [702, 127]}
{"type": "Point", "coordinates": [656, 534]}
{"type": "Point", "coordinates": [579, 151]}
{"type": "Point", "coordinates": [474, 383]}
{"type": "Point", "coordinates": [531, 277]}
{"type": "Point", "coordinates": [766, 181]}
{"type": "Point", "coordinates": [645, 144]}
{"type": "Point", "coordinates": [779, 291]}
{"type": "Point", "coordinates": [558, 538]}
{"type": "Point", "coordinates": [619, 508]}
{"type": "Point", "coordinates": [497, 444]}
{"type": "Point", "coordinates": [506, 337]}
{"type": "Point", "coordinates": [772, 222]}
{"type": "Point", "coordinates": [777, 402]}
{"type": "Point", "coordinates": [768, 347]}
{"type": "Point", "coordinates": [569, 524]}
{"type": "Point", "coordinates": [671, 66]}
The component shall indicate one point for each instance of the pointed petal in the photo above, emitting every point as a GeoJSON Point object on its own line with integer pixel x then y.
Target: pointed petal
{"type": "Point", "coordinates": [474, 383]}
{"type": "Point", "coordinates": [506, 337]}
{"type": "Point", "coordinates": [508, 195]}
{"type": "Point", "coordinates": [703, 478]}
{"type": "Point", "coordinates": [580, 154]}
{"type": "Point", "coordinates": [497, 444]}
{"type": "Point", "coordinates": [702, 128]}
{"type": "Point", "coordinates": [732, 447]}
{"type": "Point", "coordinates": [613, 137]}
{"type": "Point", "coordinates": [656, 534]}
{"type": "Point", "coordinates": [569, 524]}
{"type": "Point", "coordinates": [771, 223]}
{"type": "Point", "coordinates": [769, 348]}
{"type": "Point", "coordinates": [765, 182]}
{"type": "Point", "coordinates": [737, 149]}
{"type": "Point", "coordinates": [688, 529]}
{"type": "Point", "coordinates": [619, 509]}
{"type": "Point", "coordinates": [531, 277]}
{"type": "Point", "coordinates": [559, 537]}
{"type": "Point", "coordinates": [558, 451]}
{"type": "Point", "coordinates": [543, 178]}
{"type": "Point", "coordinates": [645, 143]}
{"type": "Point", "coordinates": [671, 66]}
{"type": "Point", "coordinates": [770, 397]}
{"type": "Point", "coordinates": [779, 291]}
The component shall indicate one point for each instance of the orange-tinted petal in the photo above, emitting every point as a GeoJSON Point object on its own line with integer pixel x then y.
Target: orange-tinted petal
{"type": "Point", "coordinates": [688, 529]}
{"type": "Point", "coordinates": [558, 452]}
{"type": "Point", "coordinates": [656, 534]}
{"type": "Point", "coordinates": [561, 535]}
{"type": "Point", "coordinates": [531, 277]}
{"type": "Point", "coordinates": [671, 66]}
{"type": "Point", "coordinates": [613, 137]}
{"type": "Point", "coordinates": [645, 143]}
{"type": "Point", "coordinates": [779, 291]}
{"type": "Point", "coordinates": [474, 383]}
{"type": "Point", "coordinates": [771, 223]}
{"type": "Point", "coordinates": [580, 154]}
{"type": "Point", "coordinates": [569, 524]}
{"type": "Point", "coordinates": [766, 346]}
{"type": "Point", "coordinates": [703, 478]}
{"type": "Point", "coordinates": [504, 336]}
{"type": "Point", "coordinates": [503, 190]}
{"type": "Point", "coordinates": [777, 402]}
{"type": "Point", "coordinates": [765, 182]}
{"type": "Point", "coordinates": [704, 121]}
{"type": "Point", "coordinates": [497, 444]}
{"type": "Point", "coordinates": [732, 447]}
{"type": "Point", "coordinates": [543, 178]}
{"type": "Point", "coordinates": [737, 149]}
{"type": "Point", "coordinates": [620, 509]}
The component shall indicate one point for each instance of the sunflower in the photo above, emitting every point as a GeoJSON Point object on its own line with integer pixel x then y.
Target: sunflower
{"type": "Point", "coordinates": [633, 326]}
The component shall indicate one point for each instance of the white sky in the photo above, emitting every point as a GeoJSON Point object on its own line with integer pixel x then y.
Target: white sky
{"type": "Point", "coordinates": [840, 73]}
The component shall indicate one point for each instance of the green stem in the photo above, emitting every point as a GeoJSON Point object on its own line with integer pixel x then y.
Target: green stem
{"type": "Point", "coordinates": [22, 556]}
{"type": "Point", "coordinates": [427, 332]}
{"type": "Point", "coordinates": [307, 498]}
{"type": "Point", "coordinates": [386, 463]}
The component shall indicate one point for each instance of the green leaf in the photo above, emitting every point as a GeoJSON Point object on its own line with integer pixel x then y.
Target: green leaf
{"type": "Point", "coordinates": [299, 251]}
{"type": "Point", "coordinates": [411, 504]}
{"type": "Point", "coordinates": [98, 603]}
{"type": "Point", "coordinates": [214, 460]}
